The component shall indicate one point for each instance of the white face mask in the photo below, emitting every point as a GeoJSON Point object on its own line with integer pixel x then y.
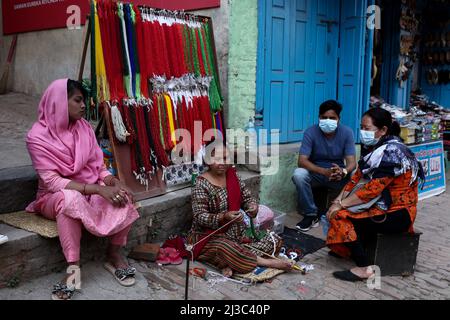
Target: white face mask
{"type": "Point", "coordinates": [368, 138]}
{"type": "Point", "coordinates": [328, 125]}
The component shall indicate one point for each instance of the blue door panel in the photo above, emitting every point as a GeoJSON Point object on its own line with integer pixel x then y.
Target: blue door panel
{"type": "Point", "coordinates": [319, 75]}
{"type": "Point", "coordinates": [301, 5]}
{"type": "Point", "coordinates": [351, 75]}
{"type": "Point", "coordinates": [298, 73]}
{"type": "Point", "coordinates": [277, 44]}
{"type": "Point", "coordinates": [300, 47]}
{"type": "Point", "coordinates": [276, 101]}
{"type": "Point", "coordinates": [319, 97]}
{"type": "Point", "coordinates": [299, 100]}
{"type": "Point", "coordinates": [298, 54]}
{"type": "Point", "coordinates": [276, 75]}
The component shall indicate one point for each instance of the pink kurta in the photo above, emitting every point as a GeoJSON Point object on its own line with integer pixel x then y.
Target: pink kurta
{"type": "Point", "coordinates": [72, 211]}
{"type": "Point", "coordinates": [97, 214]}
{"type": "Point", "coordinates": [61, 152]}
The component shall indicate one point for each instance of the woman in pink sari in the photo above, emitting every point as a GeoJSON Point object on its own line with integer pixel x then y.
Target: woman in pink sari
{"type": "Point", "coordinates": [75, 189]}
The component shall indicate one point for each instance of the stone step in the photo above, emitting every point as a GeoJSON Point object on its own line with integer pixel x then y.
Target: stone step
{"type": "Point", "coordinates": [18, 187]}
{"type": "Point", "coordinates": [28, 255]}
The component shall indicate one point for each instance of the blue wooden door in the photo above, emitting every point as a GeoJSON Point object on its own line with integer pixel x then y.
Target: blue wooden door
{"type": "Point", "coordinates": [276, 59]}
{"type": "Point", "coordinates": [352, 77]}
{"type": "Point", "coordinates": [313, 75]}
{"type": "Point", "coordinates": [298, 55]}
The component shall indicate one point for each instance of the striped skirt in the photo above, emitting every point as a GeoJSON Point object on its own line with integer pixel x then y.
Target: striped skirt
{"type": "Point", "coordinates": [222, 252]}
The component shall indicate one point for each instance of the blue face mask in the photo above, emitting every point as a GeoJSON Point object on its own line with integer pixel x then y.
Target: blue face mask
{"type": "Point", "coordinates": [328, 125]}
{"type": "Point", "coordinates": [368, 138]}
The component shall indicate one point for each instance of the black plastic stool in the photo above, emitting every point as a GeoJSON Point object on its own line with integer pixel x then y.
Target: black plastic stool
{"type": "Point", "coordinates": [396, 254]}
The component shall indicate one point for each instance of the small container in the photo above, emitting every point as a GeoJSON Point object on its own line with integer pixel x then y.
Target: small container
{"type": "Point", "coordinates": [278, 226]}
{"type": "Point", "coordinates": [194, 178]}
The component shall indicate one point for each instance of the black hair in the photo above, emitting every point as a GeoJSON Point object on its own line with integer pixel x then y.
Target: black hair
{"type": "Point", "coordinates": [330, 105]}
{"type": "Point", "coordinates": [383, 118]}
{"type": "Point", "coordinates": [72, 86]}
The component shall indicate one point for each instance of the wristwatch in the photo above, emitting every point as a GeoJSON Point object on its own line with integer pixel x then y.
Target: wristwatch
{"type": "Point", "coordinates": [345, 172]}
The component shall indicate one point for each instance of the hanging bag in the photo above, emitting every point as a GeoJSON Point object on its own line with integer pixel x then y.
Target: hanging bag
{"type": "Point", "coordinates": [364, 206]}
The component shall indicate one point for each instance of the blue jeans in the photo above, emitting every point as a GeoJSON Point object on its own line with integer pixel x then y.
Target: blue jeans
{"type": "Point", "coordinates": [305, 181]}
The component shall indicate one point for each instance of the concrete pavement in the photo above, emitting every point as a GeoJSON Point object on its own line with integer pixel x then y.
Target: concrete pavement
{"type": "Point", "coordinates": [430, 281]}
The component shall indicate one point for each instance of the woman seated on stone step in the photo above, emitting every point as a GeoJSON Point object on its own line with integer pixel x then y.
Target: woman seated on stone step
{"type": "Point", "coordinates": [380, 198]}
{"type": "Point", "coordinates": [217, 199]}
{"type": "Point", "coordinates": [75, 189]}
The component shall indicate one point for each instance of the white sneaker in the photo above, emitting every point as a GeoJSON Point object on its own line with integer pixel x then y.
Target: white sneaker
{"type": "Point", "coordinates": [3, 239]}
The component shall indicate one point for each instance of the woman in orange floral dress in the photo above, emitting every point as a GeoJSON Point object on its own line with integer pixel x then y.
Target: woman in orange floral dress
{"type": "Point", "coordinates": [381, 197]}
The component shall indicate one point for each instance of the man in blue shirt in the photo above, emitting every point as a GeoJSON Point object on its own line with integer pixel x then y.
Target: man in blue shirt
{"type": "Point", "coordinates": [327, 156]}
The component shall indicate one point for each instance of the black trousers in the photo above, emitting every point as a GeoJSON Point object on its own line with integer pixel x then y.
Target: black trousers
{"type": "Point", "coordinates": [367, 229]}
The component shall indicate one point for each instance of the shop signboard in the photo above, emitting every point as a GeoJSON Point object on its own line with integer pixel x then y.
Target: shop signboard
{"type": "Point", "coordinates": [431, 155]}
{"type": "Point", "coordinates": [33, 15]}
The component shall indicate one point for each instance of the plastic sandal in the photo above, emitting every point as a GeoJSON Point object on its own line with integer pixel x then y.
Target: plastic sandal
{"type": "Point", "coordinates": [174, 256]}
{"type": "Point", "coordinates": [163, 257]}
{"type": "Point", "coordinates": [124, 276]}
{"type": "Point", "coordinates": [62, 288]}
{"type": "Point", "coordinates": [347, 275]}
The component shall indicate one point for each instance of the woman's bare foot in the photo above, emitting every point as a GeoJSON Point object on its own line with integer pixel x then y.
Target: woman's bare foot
{"type": "Point", "coordinates": [61, 295]}
{"type": "Point", "coordinates": [285, 265]}
{"type": "Point", "coordinates": [227, 272]}
{"type": "Point", "coordinates": [115, 258]}
{"type": "Point", "coordinates": [364, 272]}
{"type": "Point", "coordinates": [117, 261]}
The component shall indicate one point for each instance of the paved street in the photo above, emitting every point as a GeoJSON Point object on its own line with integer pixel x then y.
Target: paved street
{"type": "Point", "coordinates": [430, 281]}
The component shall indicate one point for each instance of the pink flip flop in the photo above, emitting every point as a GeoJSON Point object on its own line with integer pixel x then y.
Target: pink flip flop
{"type": "Point", "coordinates": [163, 257]}
{"type": "Point", "coordinates": [174, 256]}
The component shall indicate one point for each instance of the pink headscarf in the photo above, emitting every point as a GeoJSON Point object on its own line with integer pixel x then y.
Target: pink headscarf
{"type": "Point", "coordinates": [54, 143]}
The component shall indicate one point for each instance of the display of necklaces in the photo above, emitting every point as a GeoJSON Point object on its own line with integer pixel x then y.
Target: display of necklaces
{"type": "Point", "coordinates": [153, 72]}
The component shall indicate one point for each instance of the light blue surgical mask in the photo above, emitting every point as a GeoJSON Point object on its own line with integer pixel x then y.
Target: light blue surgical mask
{"type": "Point", "coordinates": [368, 138]}
{"type": "Point", "coordinates": [328, 125]}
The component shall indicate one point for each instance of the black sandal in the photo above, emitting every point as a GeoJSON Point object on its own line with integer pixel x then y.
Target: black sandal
{"type": "Point", "coordinates": [347, 275]}
{"type": "Point", "coordinates": [62, 288]}
{"type": "Point", "coordinates": [125, 277]}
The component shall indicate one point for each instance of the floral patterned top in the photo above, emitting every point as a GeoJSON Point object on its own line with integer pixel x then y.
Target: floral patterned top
{"type": "Point", "coordinates": [402, 195]}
